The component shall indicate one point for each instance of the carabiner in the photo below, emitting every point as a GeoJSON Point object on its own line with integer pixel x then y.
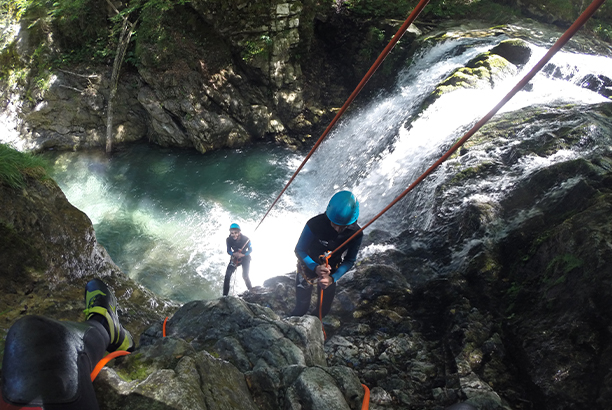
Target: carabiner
{"type": "Point", "coordinates": [325, 258]}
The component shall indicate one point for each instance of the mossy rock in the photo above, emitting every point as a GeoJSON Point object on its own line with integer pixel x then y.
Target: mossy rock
{"type": "Point", "coordinates": [515, 51]}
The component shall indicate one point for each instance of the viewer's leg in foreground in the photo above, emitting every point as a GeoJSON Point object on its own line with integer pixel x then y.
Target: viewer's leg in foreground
{"type": "Point", "coordinates": [48, 363]}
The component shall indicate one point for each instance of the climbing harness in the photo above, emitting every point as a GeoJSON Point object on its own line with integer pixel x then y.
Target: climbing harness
{"type": "Point", "coordinates": [417, 10]}
{"type": "Point", "coordinates": [235, 262]}
{"type": "Point", "coordinates": [301, 269]}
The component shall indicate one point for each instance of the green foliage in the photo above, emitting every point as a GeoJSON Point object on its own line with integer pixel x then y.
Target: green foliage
{"type": "Point", "coordinates": [82, 31]}
{"type": "Point", "coordinates": [444, 9]}
{"type": "Point", "coordinates": [565, 263]}
{"type": "Point", "coordinates": [255, 48]}
{"type": "Point", "coordinates": [604, 31]}
{"type": "Point", "coordinates": [15, 167]}
{"type": "Point", "coordinates": [9, 63]}
{"type": "Point", "coordinates": [489, 10]}
{"type": "Point", "coordinates": [379, 8]}
{"type": "Point", "coordinates": [12, 8]}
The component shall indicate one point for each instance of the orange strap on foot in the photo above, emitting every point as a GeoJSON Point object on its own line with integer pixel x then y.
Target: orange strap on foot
{"type": "Point", "coordinates": [105, 360]}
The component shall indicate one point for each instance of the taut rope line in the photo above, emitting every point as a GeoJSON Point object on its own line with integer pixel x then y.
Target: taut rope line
{"type": "Point", "coordinates": [417, 10]}
{"type": "Point", "coordinates": [556, 47]}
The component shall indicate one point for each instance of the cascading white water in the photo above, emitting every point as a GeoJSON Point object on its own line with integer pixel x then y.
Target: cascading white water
{"type": "Point", "coordinates": [382, 149]}
{"type": "Point", "coordinates": [164, 214]}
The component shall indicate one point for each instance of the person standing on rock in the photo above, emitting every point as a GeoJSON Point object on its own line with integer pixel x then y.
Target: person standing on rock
{"type": "Point", "coordinates": [323, 233]}
{"type": "Point", "coordinates": [239, 248]}
{"type": "Point", "coordinates": [48, 363]}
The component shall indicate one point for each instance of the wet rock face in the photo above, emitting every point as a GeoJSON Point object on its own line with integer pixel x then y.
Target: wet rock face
{"type": "Point", "coordinates": [507, 307]}
{"type": "Point", "coordinates": [221, 74]}
{"type": "Point", "coordinates": [598, 83]}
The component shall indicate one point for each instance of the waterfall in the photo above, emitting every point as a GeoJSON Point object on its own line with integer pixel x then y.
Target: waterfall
{"type": "Point", "coordinates": [164, 214]}
{"type": "Point", "coordinates": [381, 149]}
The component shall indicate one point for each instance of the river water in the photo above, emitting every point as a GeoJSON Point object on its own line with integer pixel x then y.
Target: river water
{"type": "Point", "coordinates": [163, 214]}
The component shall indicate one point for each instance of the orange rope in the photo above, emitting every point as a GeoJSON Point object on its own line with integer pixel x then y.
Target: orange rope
{"type": "Point", "coordinates": [164, 327]}
{"type": "Point", "coordinates": [417, 10]}
{"type": "Point", "coordinates": [366, 398]}
{"type": "Point", "coordinates": [321, 315]}
{"type": "Point", "coordinates": [558, 44]}
{"type": "Point", "coordinates": [105, 360]}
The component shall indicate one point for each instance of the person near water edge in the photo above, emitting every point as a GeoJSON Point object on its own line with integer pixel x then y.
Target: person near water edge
{"type": "Point", "coordinates": [239, 247]}
{"type": "Point", "coordinates": [48, 363]}
{"type": "Point", "coordinates": [323, 233]}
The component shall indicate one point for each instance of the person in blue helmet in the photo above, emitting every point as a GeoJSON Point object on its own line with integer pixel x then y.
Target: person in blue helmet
{"type": "Point", "coordinates": [47, 363]}
{"type": "Point", "coordinates": [239, 248]}
{"type": "Point", "coordinates": [323, 233]}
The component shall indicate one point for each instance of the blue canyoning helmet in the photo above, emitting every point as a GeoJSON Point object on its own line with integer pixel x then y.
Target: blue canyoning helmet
{"type": "Point", "coordinates": [343, 208]}
{"type": "Point", "coordinates": [234, 226]}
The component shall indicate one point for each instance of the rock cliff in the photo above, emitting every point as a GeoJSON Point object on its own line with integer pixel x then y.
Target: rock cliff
{"type": "Point", "coordinates": [203, 75]}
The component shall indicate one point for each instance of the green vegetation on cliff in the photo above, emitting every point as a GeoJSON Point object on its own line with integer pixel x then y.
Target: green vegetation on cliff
{"type": "Point", "coordinates": [16, 166]}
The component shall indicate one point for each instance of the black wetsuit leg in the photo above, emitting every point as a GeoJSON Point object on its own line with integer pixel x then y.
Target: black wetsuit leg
{"type": "Point", "coordinates": [246, 264]}
{"type": "Point", "coordinates": [231, 268]}
{"type": "Point", "coordinates": [328, 298]}
{"type": "Point", "coordinates": [303, 292]}
{"type": "Point", "coordinates": [48, 363]}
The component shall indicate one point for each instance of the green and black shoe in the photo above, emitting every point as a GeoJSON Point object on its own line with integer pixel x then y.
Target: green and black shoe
{"type": "Point", "coordinates": [100, 300]}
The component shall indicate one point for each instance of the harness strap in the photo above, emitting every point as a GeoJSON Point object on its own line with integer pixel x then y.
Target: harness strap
{"type": "Point", "coordinates": [301, 268]}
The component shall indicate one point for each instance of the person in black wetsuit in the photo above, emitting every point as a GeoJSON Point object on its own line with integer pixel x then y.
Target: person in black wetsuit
{"type": "Point", "coordinates": [239, 248]}
{"type": "Point", "coordinates": [325, 232]}
{"type": "Point", "coordinates": [47, 363]}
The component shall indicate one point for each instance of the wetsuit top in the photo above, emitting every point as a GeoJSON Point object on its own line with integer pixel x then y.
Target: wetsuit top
{"type": "Point", "coordinates": [234, 245]}
{"type": "Point", "coordinates": [318, 237]}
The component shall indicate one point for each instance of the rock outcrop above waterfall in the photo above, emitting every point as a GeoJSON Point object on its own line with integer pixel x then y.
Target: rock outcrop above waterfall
{"type": "Point", "coordinates": [505, 59]}
{"type": "Point", "coordinates": [207, 75]}
{"type": "Point", "coordinates": [230, 354]}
